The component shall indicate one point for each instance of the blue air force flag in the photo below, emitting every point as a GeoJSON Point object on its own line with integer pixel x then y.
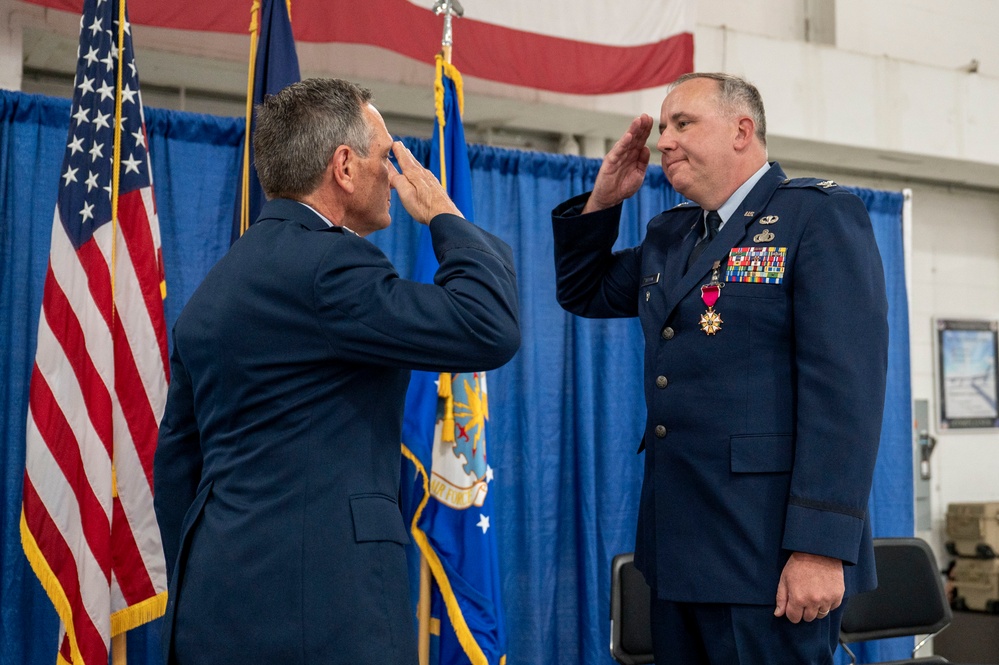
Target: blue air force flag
{"type": "Point", "coordinates": [446, 477]}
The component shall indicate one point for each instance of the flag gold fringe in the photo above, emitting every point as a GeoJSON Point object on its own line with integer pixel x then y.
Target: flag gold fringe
{"type": "Point", "coordinates": [51, 585]}
{"type": "Point", "coordinates": [138, 614]}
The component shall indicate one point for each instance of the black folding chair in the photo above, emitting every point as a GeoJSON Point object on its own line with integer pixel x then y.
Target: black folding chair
{"type": "Point", "coordinates": [910, 599]}
{"type": "Point", "coordinates": [631, 634]}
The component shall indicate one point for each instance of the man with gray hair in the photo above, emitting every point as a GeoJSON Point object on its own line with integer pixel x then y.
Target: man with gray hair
{"type": "Point", "coordinates": [278, 464]}
{"type": "Point", "coordinates": [764, 313]}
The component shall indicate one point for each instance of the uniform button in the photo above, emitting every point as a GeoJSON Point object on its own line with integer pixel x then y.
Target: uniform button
{"type": "Point", "coordinates": [660, 432]}
{"type": "Point", "coordinates": [667, 333]}
{"type": "Point", "coordinates": [661, 382]}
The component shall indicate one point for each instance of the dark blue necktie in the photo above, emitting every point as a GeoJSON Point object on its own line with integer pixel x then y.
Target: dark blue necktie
{"type": "Point", "coordinates": [712, 222]}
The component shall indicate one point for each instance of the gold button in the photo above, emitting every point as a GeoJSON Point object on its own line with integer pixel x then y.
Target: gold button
{"type": "Point", "coordinates": [660, 432]}
{"type": "Point", "coordinates": [667, 333]}
{"type": "Point", "coordinates": [661, 381]}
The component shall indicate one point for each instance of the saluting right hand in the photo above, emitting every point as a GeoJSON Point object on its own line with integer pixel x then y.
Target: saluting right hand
{"type": "Point", "coordinates": [419, 190]}
{"type": "Point", "coordinates": [623, 170]}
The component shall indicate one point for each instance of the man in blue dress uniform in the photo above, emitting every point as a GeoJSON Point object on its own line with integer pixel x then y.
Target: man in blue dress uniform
{"type": "Point", "coordinates": [763, 308]}
{"type": "Point", "coordinates": [278, 465]}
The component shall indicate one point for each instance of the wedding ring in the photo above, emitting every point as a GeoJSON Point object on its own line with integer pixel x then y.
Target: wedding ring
{"type": "Point", "coordinates": [822, 614]}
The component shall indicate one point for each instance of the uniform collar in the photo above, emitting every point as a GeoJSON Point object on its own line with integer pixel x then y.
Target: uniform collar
{"type": "Point", "coordinates": [296, 211]}
{"type": "Point", "coordinates": [739, 195]}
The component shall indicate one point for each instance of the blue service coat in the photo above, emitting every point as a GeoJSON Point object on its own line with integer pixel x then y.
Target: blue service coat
{"type": "Point", "coordinates": [761, 439]}
{"type": "Point", "coordinates": [278, 464]}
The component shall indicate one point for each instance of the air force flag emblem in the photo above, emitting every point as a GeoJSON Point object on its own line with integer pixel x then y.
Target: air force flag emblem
{"type": "Point", "coordinates": [459, 477]}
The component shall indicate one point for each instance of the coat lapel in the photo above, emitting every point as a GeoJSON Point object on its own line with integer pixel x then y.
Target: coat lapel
{"type": "Point", "coordinates": [679, 248]}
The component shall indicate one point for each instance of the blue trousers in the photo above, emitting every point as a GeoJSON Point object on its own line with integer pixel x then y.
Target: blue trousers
{"type": "Point", "coordinates": [721, 634]}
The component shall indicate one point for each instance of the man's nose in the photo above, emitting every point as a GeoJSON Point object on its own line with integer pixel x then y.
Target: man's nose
{"type": "Point", "coordinates": [665, 141]}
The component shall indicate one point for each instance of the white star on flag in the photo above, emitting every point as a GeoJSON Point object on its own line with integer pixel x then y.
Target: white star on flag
{"type": "Point", "coordinates": [483, 523]}
{"type": "Point", "coordinates": [131, 164]}
{"type": "Point", "coordinates": [86, 86]}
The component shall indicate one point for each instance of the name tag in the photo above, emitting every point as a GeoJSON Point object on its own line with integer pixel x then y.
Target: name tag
{"type": "Point", "coordinates": [649, 280]}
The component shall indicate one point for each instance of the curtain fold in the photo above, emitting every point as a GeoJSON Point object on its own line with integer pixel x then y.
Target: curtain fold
{"type": "Point", "coordinates": [566, 413]}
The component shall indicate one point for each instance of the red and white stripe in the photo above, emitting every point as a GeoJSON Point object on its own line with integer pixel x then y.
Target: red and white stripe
{"type": "Point", "coordinates": [589, 48]}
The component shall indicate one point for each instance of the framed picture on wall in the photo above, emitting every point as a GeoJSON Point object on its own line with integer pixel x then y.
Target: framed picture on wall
{"type": "Point", "coordinates": [969, 383]}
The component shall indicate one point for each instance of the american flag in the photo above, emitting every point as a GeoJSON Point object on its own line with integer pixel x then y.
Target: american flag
{"type": "Point", "coordinates": [99, 382]}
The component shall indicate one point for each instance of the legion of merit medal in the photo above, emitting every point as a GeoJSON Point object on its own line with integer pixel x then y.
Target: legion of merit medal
{"type": "Point", "coordinates": [711, 320]}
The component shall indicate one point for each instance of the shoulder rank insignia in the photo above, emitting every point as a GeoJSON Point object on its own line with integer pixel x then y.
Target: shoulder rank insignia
{"type": "Point", "coordinates": [826, 184]}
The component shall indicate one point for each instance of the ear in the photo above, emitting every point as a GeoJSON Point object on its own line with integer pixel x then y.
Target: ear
{"type": "Point", "coordinates": [343, 165]}
{"type": "Point", "coordinates": [745, 133]}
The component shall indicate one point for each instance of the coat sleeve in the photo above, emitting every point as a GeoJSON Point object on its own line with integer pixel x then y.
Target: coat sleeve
{"type": "Point", "coordinates": [467, 320]}
{"type": "Point", "coordinates": [841, 355]}
{"type": "Point", "coordinates": [177, 464]}
{"type": "Point", "coordinates": [592, 280]}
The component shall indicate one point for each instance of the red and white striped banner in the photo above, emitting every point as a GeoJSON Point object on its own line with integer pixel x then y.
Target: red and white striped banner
{"type": "Point", "coordinates": [99, 383]}
{"type": "Point", "coordinates": [568, 46]}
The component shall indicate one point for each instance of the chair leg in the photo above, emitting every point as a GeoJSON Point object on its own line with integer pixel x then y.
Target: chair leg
{"type": "Point", "coordinates": [853, 657]}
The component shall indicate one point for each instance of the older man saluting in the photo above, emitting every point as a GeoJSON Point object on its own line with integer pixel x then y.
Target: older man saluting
{"type": "Point", "coordinates": [277, 471]}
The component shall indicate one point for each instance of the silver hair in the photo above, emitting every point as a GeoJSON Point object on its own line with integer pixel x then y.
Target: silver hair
{"type": "Point", "coordinates": [298, 130]}
{"type": "Point", "coordinates": [738, 95]}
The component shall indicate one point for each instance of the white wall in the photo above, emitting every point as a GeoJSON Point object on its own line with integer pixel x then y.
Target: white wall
{"type": "Point", "coordinates": [930, 32]}
{"type": "Point", "coordinates": [783, 19]}
{"type": "Point", "coordinates": [944, 34]}
{"type": "Point", "coordinates": [10, 47]}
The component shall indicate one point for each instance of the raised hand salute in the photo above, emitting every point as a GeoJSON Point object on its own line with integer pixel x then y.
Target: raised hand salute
{"type": "Point", "coordinates": [623, 169]}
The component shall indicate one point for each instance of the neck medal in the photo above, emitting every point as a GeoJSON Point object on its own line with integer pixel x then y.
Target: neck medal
{"type": "Point", "coordinates": [711, 320]}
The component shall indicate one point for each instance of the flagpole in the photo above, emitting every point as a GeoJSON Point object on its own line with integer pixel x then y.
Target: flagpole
{"type": "Point", "coordinates": [450, 9]}
{"type": "Point", "coordinates": [244, 189]}
{"type": "Point", "coordinates": [119, 652]}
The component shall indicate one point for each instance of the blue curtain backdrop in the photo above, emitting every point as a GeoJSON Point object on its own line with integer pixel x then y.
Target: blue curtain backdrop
{"type": "Point", "coordinates": [566, 413]}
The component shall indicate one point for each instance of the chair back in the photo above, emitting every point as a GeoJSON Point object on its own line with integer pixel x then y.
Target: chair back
{"type": "Point", "coordinates": [910, 598]}
{"type": "Point", "coordinates": [630, 629]}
